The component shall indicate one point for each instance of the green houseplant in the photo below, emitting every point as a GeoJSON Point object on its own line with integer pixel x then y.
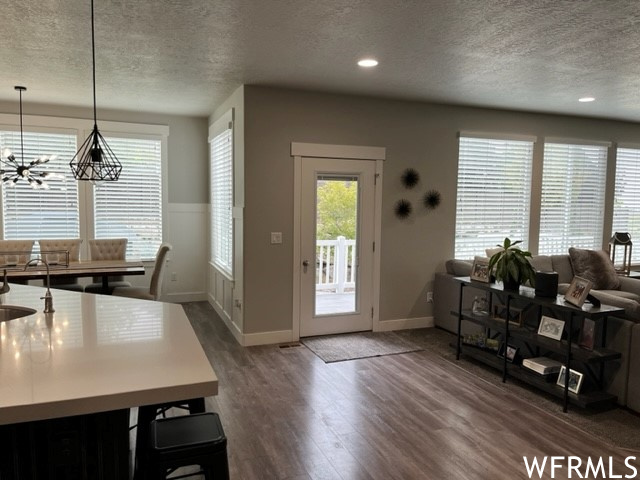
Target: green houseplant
{"type": "Point", "coordinates": [512, 266]}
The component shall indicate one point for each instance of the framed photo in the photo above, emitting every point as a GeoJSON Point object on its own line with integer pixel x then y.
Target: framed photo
{"type": "Point", "coordinates": [480, 270]}
{"type": "Point", "coordinates": [514, 315]}
{"type": "Point", "coordinates": [578, 291]}
{"type": "Point", "coordinates": [551, 327]}
{"type": "Point", "coordinates": [587, 334]}
{"type": "Point", "coordinates": [511, 351]}
{"type": "Point", "coordinates": [575, 379]}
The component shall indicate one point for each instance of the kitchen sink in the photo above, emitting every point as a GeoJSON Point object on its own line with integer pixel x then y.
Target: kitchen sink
{"type": "Point", "coordinates": [11, 312]}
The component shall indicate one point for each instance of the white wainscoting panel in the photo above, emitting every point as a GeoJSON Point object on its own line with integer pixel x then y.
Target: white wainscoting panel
{"type": "Point", "coordinates": [187, 232]}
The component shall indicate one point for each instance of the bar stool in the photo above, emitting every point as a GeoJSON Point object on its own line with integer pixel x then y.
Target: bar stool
{"type": "Point", "coordinates": [196, 439]}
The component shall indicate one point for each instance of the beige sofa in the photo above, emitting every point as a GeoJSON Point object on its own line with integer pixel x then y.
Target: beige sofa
{"type": "Point", "coordinates": [622, 377]}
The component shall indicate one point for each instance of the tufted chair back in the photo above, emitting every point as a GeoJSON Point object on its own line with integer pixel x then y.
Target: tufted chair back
{"type": "Point", "coordinates": [108, 249]}
{"type": "Point", "coordinates": [155, 287]}
{"type": "Point", "coordinates": [72, 245]}
{"type": "Point", "coordinates": [23, 246]}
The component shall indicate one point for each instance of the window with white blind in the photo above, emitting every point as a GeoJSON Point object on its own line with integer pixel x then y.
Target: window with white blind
{"type": "Point", "coordinates": [132, 207]}
{"type": "Point", "coordinates": [626, 203]}
{"type": "Point", "coordinates": [221, 184]}
{"type": "Point", "coordinates": [29, 213]}
{"type": "Point", "coordinates": [494, 190]}
{"type": "Point", "coordinates": [573, 190]}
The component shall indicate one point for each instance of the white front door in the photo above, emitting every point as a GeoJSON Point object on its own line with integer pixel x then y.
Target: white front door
{"type": "Point", "coordinates": [337, 212]}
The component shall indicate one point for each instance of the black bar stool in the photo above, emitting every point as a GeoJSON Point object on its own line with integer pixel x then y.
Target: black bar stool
{"type": "Point", "coordinates": [196, 439]}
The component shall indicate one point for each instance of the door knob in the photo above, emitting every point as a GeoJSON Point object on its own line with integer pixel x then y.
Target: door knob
{"type": "Point", "coordinates": [305, 264]}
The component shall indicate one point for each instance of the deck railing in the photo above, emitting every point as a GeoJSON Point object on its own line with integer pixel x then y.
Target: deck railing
{"type": "Point", "coordinates": [335, 265]}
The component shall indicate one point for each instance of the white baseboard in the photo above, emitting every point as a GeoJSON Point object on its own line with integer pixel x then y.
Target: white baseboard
{"type": "Point", "coordinates": [284, 336]}
{"type": "Point", "coordinates": [404, 324]}
{"type": "Point", "coordinates": [233, 328]}
{"type": "Point", "coordinates": [266, 338]}
{"type": "Point", "coordinates": [184, 297]}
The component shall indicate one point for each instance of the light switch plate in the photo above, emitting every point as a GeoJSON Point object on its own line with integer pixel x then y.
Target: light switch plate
{"type": "Point", "coordinates": [276, 238]}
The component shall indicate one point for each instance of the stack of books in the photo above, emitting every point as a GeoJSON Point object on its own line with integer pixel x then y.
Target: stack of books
{"type": "Point", "coordinates": [542, 365]}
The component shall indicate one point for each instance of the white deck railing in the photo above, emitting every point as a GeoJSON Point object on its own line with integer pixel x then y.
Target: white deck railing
{"type": "Point", "coordinates": [335, 264]}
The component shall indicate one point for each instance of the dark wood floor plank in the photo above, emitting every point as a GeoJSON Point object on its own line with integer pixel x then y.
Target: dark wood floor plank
{"type": "Point", "coordinates": [288, 415]}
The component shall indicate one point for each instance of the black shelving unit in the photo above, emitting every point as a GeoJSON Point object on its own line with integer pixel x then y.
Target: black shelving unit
{"type": "Point", "coordinates": [566, 349]}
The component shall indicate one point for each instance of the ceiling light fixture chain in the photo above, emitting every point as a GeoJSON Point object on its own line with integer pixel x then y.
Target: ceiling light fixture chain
{"type": "Point", "coordinates": [12, 171]}
{"type": "Point", "coordinates": [94, 160]}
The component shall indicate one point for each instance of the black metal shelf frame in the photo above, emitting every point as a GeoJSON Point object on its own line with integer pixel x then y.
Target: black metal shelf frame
{"type": "Point", "coordinates": [568, 349]}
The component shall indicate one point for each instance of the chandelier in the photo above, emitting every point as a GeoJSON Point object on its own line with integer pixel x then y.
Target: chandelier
{"type": "Point", "coordinates": [94, 159]}
{"type": "Point", "coordinates": [13, 170]}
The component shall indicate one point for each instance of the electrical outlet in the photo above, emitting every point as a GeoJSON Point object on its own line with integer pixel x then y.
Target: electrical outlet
{"type": "Point", "coordinates": [276, 238]}
{"type": "Point", "coordinates": [174, 277]}
{"type": "Point", "coordinates": [429, 297]}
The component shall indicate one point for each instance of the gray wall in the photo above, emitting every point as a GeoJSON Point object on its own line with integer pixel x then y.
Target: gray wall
{"type": "Point", "coordinates": [418, 135]}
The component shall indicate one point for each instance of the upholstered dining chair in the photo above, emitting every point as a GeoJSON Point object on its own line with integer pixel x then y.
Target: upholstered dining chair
{"type": "Point", "coordinates": [52, 249]}
{"type": "Point", "coordinates": [107, 249]}
{"type": "Point", "coordinates": [154, 290]}
{"type": "Point", "coordinates": [23, 247]}
{"type": "Point", "coordinates": [23, 250]}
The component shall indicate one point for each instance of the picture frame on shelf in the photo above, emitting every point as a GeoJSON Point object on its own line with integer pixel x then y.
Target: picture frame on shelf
{"type": "Point", "coordinates": [514, 315]}
{"type": "Point", "coordinates": [480, 270]}
{"type": "Point", "coordinates": [511, 352]}
{"type": "Point", "coordinates": [587, 334]}
{"type": "Point", "coordinates": [578, 291]}
{"type": "Point", "coordinates": [551, 327]}
{"type": "Point", "coordinates": [575, 379]}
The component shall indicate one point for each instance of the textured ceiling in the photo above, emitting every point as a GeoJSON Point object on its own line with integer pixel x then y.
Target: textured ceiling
{"type": "Point", "coordinates": [186, 56]}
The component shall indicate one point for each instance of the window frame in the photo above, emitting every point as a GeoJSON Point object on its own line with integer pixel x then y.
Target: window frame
{"type": "Point", "coordinates": [635, 234]}
{"type": "Point", "coordinates": [224, 123]}
{"type": "Point", "coordinates": [82, 128]}
{"type": "Point", "coordinates": [501, 138]}
{"type": "Point", "coordinates": [598, 223]}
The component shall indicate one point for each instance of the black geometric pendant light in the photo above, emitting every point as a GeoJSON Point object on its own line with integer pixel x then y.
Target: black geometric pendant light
{"type": "Point", "coordinates": [94, 160]}
{"type": "Point", "coordinates": [12, 170]}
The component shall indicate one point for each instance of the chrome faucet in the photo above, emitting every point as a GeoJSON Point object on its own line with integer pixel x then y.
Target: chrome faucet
{"type": "Point", "coordinates": [5, 284]}
{"type": "Point", "coordinates": [48, 298]}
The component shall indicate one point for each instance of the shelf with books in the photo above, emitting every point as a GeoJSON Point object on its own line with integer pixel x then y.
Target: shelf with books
{"type": "Point", "coordinates": [525, 338]}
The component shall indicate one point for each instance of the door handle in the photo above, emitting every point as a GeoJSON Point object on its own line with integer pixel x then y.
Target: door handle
{"type": "Point", "coordinates": [305, 264]}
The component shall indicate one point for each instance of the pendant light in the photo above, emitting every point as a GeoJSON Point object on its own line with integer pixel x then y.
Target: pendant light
{"type": "Point", "coordinates": [12, 170]}
{"type": "Point", "coordinates": [94, 159]}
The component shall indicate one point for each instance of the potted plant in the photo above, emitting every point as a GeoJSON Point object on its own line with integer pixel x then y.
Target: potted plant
{"type": "Point", "coordinates": [512, 266]}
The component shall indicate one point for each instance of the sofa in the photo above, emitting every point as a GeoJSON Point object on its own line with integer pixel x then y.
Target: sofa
{"type": "Point", "coordinates": [622, 377]}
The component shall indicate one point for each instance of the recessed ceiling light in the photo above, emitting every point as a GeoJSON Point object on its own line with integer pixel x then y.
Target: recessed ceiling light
{"type": "Point", "coordinates": [586, 99]}
{"type": "Point", "coordinates": [368, 62]}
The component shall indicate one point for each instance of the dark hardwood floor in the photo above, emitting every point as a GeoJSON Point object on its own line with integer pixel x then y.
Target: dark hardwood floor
{"type": "Point", "coordinates": [288, 415]}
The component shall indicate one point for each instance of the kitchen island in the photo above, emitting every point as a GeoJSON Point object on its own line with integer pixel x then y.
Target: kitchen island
{"type": "Point", "coordinates": [68, 379]}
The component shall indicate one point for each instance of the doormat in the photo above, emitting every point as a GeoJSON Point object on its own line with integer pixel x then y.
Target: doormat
{"type": "Point", "coordinates": [351, 346]}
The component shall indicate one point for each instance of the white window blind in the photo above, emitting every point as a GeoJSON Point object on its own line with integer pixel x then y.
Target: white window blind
{"type": "Point", "coordinates": [132, 206]}
{"type": "Point", "coordinates": [37, 213]}
{"type": "Point", "coordinates": [573, 187]}
{"type": "Point", "coordinates": [626, 204]}
{"type": "Point", "coordinates": [221, 182]}
{"type": "Point", "coordinates": [494, 190]}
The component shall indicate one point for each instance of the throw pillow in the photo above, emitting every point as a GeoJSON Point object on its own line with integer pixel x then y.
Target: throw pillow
{"type": "Point", "coordinates": [492, 251]}
{"type": "Point", "coordinates": [594, 265]}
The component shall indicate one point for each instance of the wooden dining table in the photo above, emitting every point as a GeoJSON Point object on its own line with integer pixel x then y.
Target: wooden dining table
{"type": "Point", "coordinates": [83, 268]}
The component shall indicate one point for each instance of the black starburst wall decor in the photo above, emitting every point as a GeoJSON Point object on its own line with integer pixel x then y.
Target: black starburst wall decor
{"type": "Point", "coordinates": [403, 208]}
{"type": "Point", "coordinates": [431, 199]}
{"type": "Point", "coordinates": [410, 178]}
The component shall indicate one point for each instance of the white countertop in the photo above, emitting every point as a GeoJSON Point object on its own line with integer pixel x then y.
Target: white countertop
{"type": "Point", "coordinates": [99, 353]}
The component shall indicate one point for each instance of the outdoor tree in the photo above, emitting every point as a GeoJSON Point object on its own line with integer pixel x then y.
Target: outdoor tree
{"type": "Point", "coordinates": [337, 212]}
